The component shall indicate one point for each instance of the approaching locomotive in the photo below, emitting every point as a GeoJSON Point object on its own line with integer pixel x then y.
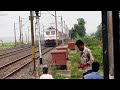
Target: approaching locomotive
{"type": "Point", "coordinates": [50, 37]}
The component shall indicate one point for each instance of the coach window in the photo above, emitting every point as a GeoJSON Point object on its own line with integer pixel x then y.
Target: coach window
{"type": "Point", "coordinates": [47, 33]}
{"type": "Point", "coordinates": [52, 32]}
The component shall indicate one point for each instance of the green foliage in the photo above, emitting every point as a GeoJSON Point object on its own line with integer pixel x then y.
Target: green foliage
{"type": "Point", "coordinates": [73, 33]}
{"type": "Point", "coordinates": [98, 33]}
{"type": "Point", "coordinates": [77, 38]}
{"type": "Point", "coordinates": [75, 72]}
{"type": "Point", "coordinates": [101, 71]}
{"type": "Point", "coordinates": [78, 29]}
{"type": "Point", "coordinates": [53, 69]}
{"type": "Point", "coordinates": [55, 74]}
{"type": "Point", "coordinates": [7, 45]}
{"type": "Point", "coordinates": [59, 76]}
{"type": "Point", "coordinates": [74, 57]}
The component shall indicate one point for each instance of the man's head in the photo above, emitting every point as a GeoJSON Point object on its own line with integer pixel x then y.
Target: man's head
{"type": "Point", "coordinates": [80, 45]}
{"type": "Point", "coordinates": [95, 66]}
{"type": "Point", "coordinates": [45, 70]}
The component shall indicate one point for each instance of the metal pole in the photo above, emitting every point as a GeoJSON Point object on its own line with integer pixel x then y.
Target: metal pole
{"type": "Point", "coordinates": [62, 31]}
{"type": "Point", "coordinates": [105, 45]}
{"type": "Point", "coordinates": [43, 32]}
{"type": "Point", "coordinates": [56, 29]}
{"type": "Point", "coordinates": [15, 34]}
{"type": "Point", "coordinates": [110, 45]}
{"type": "Point", "coordinates": [28, 34]}
{"type": "Point", "coordinates": [116, 22]}
{"type": "Point", "coordinates": [35, 31]}
{"type": "Point", "coordinates": [40, 52]}
{"type": "Point", "coordinates": [20, 30]}
{"type": "Point", "coordinates": [32, 38]}
{"type": "Point", "coordinates": [64, 27]}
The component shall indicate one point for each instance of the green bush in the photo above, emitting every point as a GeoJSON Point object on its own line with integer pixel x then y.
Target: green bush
{"type": "Point", "coordinates": [75, 72]}
{"type": "Point", "coordinates": [59, 76]}
{"type": "Point", "coordinates": [74, 57]}
{"type": "Point", "coordinates": [75, 61]}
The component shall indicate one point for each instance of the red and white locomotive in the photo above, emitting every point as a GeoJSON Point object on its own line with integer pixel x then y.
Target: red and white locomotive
{"type": "Point", "coordinates": [50, 36]}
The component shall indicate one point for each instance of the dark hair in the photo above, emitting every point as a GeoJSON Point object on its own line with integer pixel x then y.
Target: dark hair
{"type": "Point", "coordinates": [79, 42]}
{"type": "Point", "coordinates": [95, 66]}
{"type": "Point", "coordinates": [45, 70]}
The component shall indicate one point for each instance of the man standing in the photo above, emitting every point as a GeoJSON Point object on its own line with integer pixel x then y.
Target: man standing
{"type": "Point", "coordinates": [85, 57]}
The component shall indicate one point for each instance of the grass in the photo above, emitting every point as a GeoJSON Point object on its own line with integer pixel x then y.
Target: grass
{"type": "Point", "coordinates": [101, 71]}
{"type": "Point", "coordinates": [59, 76]}
{"type": "Point", "coordinates": [75, 60]}
{"type": "Point", "coordinates": [54, 73]}
{"type": "Point", "coordinates": [6, 46]}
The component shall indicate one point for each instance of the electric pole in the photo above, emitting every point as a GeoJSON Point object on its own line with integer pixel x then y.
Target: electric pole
{"type": "Point", "coordinates": [64, 28]}
{"type": "Point", "coordinates": [15, 34]}
{"type": "Point", "coordinates": [56, 29]}
{"type": "Point", "coordinates": [32, 38]}
{"type": "Point", "coordinates": [62, 31]}
{"type": "Point", "coordinates": [35, 32]}
{"type": "Point", "coordinates": [38, 24]}
{"type": "Point", "coordinates": [43, 32]}
{"type": "Point", "coordinates": [28, 34]}
{"type": "Point", "coordinates": [20, 30]}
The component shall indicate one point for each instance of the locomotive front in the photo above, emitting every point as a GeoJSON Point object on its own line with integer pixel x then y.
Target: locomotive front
{"type": "Point", "coordinates": [50, 37]}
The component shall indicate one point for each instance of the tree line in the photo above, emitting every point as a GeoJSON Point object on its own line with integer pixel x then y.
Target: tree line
{"type": "Point", "coordinates": [80, 30]}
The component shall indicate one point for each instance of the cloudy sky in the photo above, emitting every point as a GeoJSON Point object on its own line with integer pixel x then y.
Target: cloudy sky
{"type": "Point", "coordinates": [8, 18]}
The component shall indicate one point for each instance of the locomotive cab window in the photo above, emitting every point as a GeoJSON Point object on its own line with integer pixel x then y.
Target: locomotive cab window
{"type": "Point", "coordinates": [52, 32]}
{"type": "Point", "coordinates": [47, 33]}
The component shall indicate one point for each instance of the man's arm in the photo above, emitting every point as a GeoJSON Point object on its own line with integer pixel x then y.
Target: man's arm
{"type": "Point", "coordinates": [83, 65]}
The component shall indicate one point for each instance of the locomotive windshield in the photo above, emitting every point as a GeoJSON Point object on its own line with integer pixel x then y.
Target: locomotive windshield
{"type": "Point", "coordinates": [52, 32]}
{"type": "Point", "coordinates": [48, 33]}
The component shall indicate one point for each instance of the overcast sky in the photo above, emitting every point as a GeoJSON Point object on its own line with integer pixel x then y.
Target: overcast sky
{"type": "Point", "coordinates": [7, 19]}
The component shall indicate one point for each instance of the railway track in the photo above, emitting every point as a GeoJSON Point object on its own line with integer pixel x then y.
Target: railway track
{"type": "Point", "coordinates": [16, 55]}
{"type": "Point", "coordinates": [12, 50]}
{"type": "Point", "coordinates": [12, 67]}
{"type": "Point", "coordinates": [15, 52]}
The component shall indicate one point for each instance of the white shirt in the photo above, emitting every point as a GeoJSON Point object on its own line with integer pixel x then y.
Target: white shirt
{"type": "Point", "coordinates": [46, 76]}
{"type": "Point", "coordinates": [86, 58]}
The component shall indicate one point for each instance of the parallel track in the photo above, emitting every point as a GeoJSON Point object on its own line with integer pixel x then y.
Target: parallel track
{"type": "Point", "coordinates": [11, 68]}
{"type": "Point", "coordinates": [16, 50]}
